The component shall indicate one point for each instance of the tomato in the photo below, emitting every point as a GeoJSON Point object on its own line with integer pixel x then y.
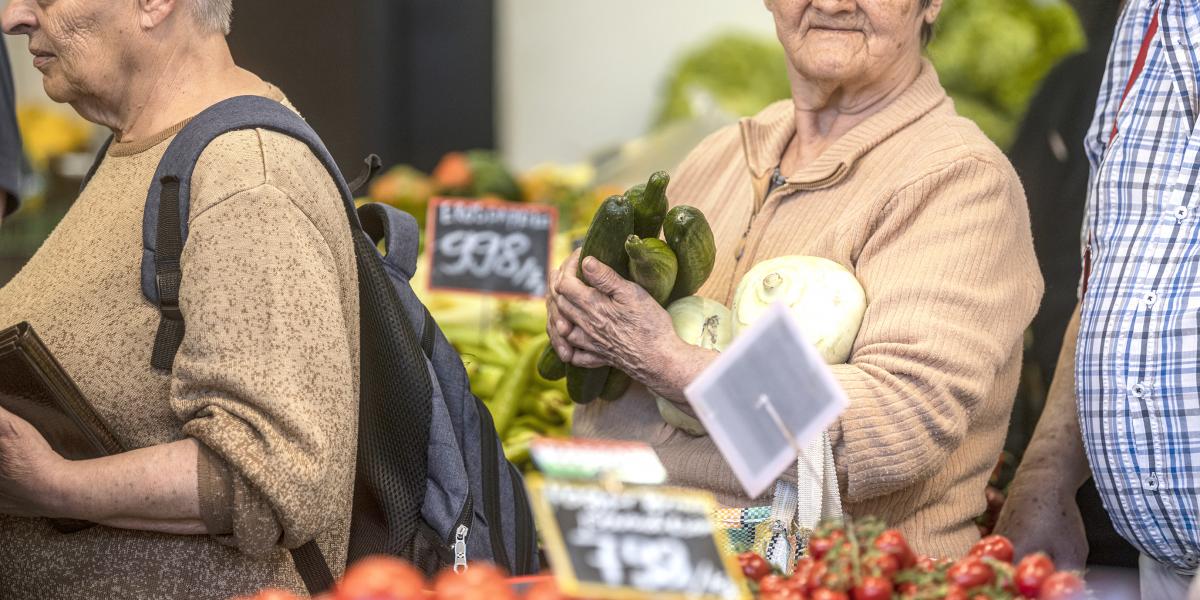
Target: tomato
{"type": "Point", "coordinates": [873, 588]}
{"type": "Point", "coordinates": [892, 542]}
{"type": "Point", "coordinates": [884, 565]}
{"type": "Point", "coordinates": [1031, 572]}
{"type": "Point", "coordinates": [970, 572]}
{"type": "Point", "coordinates": [993, 546]}
{"type": "Point", "coordinates": [754, 566]}
{"type": "Point", "coordinates": [380, 577]}
{"type": "Point", "coordinates": [955, 592]}
{"type": "Point", "coordinates": [1062, 586]}
{"type": "Point", "coordinates": [479, 582]}
{"type": "Point", "coordinates": [818, 547]}
{"type": "Point", "coordinates": [816, 575]}
{"type": "Point", "coordinates": [827, 594]}
{"type": "Point", "coordinates": [800, 574]}
{"type": "Point", "coordinates": [273, 595]}
{"type": "Point", "coordinates": [907, 589]}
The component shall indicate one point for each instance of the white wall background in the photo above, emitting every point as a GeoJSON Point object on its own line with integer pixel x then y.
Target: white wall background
{"type": "Point", "coordinates": [575, 76]}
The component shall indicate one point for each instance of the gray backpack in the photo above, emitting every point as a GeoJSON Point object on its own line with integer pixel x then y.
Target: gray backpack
{"type": "Point", "coordinates": [432, 485]}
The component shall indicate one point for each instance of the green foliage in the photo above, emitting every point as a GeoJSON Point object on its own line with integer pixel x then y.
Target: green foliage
{"type": "Point", "coordinates": [741, 72]}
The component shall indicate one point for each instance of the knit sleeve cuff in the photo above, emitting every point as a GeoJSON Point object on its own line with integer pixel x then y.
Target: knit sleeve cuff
{"type": "Point", "coordinates": [215, 487]}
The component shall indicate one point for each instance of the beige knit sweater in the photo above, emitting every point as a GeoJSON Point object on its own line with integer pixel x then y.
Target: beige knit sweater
{"type": "Point", "coordinates": [931, 218]}
{"type": "Point", "coordinates": [266, 379]}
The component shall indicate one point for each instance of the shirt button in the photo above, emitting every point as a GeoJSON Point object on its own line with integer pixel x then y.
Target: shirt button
{"type": "Point", "coordinates": [1138, 389]}
{"type": "Point", "coordinates": [1149, 298]}
{"type": "Point", "coordinates": [1152, 482]}
{"type": "Point", "coordinates": [1190, 559]}
{"type": "Point", "coordinates": [1181, 213]}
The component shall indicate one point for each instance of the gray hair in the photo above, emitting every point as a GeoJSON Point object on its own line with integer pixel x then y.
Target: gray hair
{"type": "Point", "coordinates": [214, 15]}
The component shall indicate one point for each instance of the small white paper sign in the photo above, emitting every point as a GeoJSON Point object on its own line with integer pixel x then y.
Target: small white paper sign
{"type": "Point", "coordinates": [768, 380]}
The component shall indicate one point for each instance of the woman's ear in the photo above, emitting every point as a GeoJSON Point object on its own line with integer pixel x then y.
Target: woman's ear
{"type": "Point", "coordinates": [154, 12]}
{"type": "Point", "coordinates": [932, 11]}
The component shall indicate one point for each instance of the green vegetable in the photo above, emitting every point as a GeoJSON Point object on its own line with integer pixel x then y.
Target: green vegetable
{"type": "Point", "coordinates": [618, 383]}
{"type": "Point", "coordinates": [507, 401]}
{"type": "Point", "coordinates": [690, 237]}
{"type": "Point", "coordinates": [653, 266]}
{"type": "Point", "coordinates": [650, 208]}
{"type": "Point", "coordinates": [738, 72]}
{"type": "Point", "coordinates": [550, 366]}
{"type": "Point", "coordinates": [486, 380]}
{"type": "Point", "coordinates": [699, 322]}
{"type": "Point", "coordinates": [605, 241]}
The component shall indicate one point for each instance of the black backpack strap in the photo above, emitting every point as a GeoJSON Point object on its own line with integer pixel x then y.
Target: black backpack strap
{"type": "Point", "coordinates": [397, 230]}
{"type": "Point", "coordinates": [313, 568]}
{"type": "Point", "coordinates": [96, 163]}
{"type": "Point", "coordinates": [373, 165]}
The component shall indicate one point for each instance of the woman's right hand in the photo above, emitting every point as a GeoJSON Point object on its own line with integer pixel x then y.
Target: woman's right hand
{"type": "Point", "coordinates": [557, 327]}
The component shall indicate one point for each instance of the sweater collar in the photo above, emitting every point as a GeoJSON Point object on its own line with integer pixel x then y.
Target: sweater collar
{"type": "Point", "coordinates": [766, 135]}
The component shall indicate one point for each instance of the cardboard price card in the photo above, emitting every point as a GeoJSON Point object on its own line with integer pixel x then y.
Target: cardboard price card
{"type": "Point", "coordinates": [501, 248]}
{"type": "Point", "coordinates": [634, 542]}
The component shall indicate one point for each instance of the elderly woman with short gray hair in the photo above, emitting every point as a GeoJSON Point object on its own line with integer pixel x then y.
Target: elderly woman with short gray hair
{"type": "Point", "coordinates": [246, 448]}
{"type": "Point", "coordinates": [867, 165]}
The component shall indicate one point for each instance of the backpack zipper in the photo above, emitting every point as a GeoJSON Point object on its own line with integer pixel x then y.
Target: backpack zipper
{"type": "Point", "coordinates": [460, 549]}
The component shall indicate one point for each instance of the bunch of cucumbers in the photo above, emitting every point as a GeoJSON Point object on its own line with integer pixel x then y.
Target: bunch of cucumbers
{"type": "Point", "coordinates": [624, 235]}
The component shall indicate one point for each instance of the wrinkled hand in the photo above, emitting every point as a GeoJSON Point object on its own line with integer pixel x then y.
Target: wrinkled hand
{"type": "Point", "coordinates": [1041, 515]}
{"type": "Point", "coordinates": [557, 327]}
{"type": "Point", "coordinates": [28, 466]}
{"type": "Point", "coordinates": [613, 322]}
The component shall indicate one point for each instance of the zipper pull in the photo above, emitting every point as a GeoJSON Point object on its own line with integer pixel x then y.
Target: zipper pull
{"type": "Point", "coordinates": [460, 549]}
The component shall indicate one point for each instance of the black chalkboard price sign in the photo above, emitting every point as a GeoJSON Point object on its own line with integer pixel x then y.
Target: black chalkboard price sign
{"type": "Point", "coordinates": [500, 248]}
{"type": "Point", "coordinates": [633, 542]}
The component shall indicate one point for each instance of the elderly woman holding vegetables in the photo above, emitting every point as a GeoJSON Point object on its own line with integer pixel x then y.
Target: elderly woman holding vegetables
{"type": "Point", "coordinates": [869, 166]}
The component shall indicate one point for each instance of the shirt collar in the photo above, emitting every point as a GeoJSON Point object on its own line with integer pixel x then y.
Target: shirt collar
{"type": "Point", "coordinates": [766, 135]}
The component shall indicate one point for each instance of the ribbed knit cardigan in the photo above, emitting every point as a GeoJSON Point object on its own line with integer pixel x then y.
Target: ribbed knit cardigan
{"type": "Point", "coordinates": [931, 218]}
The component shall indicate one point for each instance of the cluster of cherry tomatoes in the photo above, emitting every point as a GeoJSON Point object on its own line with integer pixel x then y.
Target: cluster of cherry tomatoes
{"type": "Point", "coordinates": [386, 578]}
{"type": "Point", "coordinates": [868, 562]}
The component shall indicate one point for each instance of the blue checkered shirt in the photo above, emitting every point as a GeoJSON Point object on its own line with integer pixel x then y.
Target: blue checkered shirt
{"type": "Point", "coordinates": [1136, 361]}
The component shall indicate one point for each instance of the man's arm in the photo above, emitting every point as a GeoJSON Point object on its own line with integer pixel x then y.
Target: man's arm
{"type": "Point", "coordinates": [1041, 513]}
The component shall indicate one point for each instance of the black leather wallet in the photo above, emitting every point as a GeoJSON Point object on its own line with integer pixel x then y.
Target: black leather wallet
{"type": "Point", "coordinates": [35, 387]}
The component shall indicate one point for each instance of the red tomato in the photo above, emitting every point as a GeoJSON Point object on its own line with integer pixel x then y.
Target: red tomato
{"type": "Point", "coordinates": [970, 572]}
{"type": "Point", "coordinates": [955, 593]}
{"type": "Point", "coordinates": [884, 565]}
{"type": "Point", "coordinates": [993, 546]}
{"type": "Point", "coordinates": [892, 542]}
{"type": "Point", "coordinates": [772, 584]}
{"type": "Point", "coordinates": [1031, 572]}
{"type": "Point", "coordinates": [1062, 586]}
{"type": "Point", "coordinates": [818, 547]}
{"type": "Point", "coordinates": [801, 573]}
{"type": "Point", "coordinates": [827, 594]}
{"type": "Point", "coordinates": [272, 595]}
{"type": "Point", "coordinates": [479, 582]}
{"type": "Point", "coordinates": [907, 589]}
{"type": "Point", "coordinates": [873, 588]}
{"type": "Point", "coordinates": [544, 590]}
{"type": "Point", "coordinates": [380, 577]}
{"type": "Point", "coordinates": [754, 566]}
{"type": "Point", "coordinates": [816, 575]}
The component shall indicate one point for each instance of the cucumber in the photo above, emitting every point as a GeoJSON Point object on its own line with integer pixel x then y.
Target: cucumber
{"type": "Point", "coordinates": [550, 366]}
{"type": "Point", "coordinates": [650, 211]}
{"type": "Point", "coordinates": [618, 383]}
{"type": "Point", "coordinates": [605, 241]}
{"type": "Point", "coordinates": [606, 236]}
{"type": "Point", "coordinates": [653, 266]}
{"type": "Point", "coordinates": [585, 385]}
{"type": "Point", "coordinates": [690, 237]}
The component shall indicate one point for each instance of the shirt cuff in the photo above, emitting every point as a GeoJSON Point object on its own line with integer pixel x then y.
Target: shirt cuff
{"type": "Point", "coordinates": [215, 487]}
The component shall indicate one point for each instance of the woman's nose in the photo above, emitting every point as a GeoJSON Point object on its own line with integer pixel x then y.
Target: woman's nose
{"type": "Point", "coordinates": [19, 17]}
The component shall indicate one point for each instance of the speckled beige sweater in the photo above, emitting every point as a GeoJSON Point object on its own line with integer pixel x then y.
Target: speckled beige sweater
{"type": "Point", "coordinates": [266, 378]}
{"type": "Point", "coordinates": [931, 218]}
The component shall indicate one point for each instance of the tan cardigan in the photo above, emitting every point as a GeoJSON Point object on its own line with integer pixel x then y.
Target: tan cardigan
{"type": "Point", "coordinates": [931, 218]}
{"type": "Point", "coordinates": [266, 378]}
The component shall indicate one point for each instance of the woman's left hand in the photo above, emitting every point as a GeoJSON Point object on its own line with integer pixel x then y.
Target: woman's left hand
{"type": "Point", "coordinates": [615, 322]}
{"type": "Point", "coordinates": [28, 466]}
